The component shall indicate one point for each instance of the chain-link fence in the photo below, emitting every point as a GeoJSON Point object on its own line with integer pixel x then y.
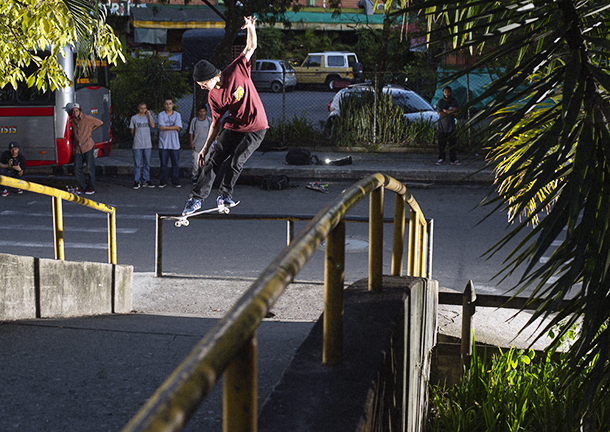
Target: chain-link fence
{"type": "Point", "coordinates": [298, 116]}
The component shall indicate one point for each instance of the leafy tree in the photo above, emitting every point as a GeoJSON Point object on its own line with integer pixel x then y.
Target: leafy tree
{"type": "Point", "coordinates": [29, 26]}
{"type": "Point", "coordinates": [143, 79]}
{"type": "Point", "coordinates": [551, 141]}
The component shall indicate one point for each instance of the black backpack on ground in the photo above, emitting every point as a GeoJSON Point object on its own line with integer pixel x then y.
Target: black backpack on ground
{"type": "Point", "coordinates": [300, 156]}
{"type": "Point", "coordinates": [275, 182]}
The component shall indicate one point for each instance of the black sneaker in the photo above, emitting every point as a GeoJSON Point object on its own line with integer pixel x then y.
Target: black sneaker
{"type": "Point", "coordinates": [136, 185]}
{"type": "Point", "coordinates": [148, 184]}
{"type": "Point", "coordinates": [455, 162]}
{"type": "Point", "coordinates": [176, 184]}
{"type": "Point", "coordinates": [162, 184]}
{"type": "Point", "coordinates": [89, 191]}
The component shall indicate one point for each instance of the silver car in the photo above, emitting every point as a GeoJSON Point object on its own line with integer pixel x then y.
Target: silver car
{"type": "Point", "coordinates": [415, 107]}
{"type": "Point", "coordinates": [269, 75]}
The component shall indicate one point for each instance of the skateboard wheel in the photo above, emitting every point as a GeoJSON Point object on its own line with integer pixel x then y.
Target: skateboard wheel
{"type": "Point", "coordinates": [178, 224]}
{"type": "Point", "coordinates": [186, 222]}
{"type": "Point", "coordinates": [226, 210]}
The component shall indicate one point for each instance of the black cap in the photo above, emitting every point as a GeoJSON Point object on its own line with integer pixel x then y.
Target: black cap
{"type": "Point", "coordinates": [204, 70]}
{"type": "Point", "coordinates": [13, 144]}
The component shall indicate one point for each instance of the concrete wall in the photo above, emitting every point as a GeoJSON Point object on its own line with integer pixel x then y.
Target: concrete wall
{"type": "Point", "coordinates": [43, 288]}
{"type": "Point", "coordinates": [382, 383]}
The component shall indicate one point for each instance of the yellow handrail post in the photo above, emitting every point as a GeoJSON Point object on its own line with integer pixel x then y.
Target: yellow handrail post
{"type": "Point", "coordinates": [334, 277]}
{"type": "Point", "coordinates": [159, 247]}
{"type": "Point", "coordinates": [398, 243]}
{"type": "Point", "coordinates": [469, 299]}
{"type": "Point", "coordinates": [239, 404]}
{"type": "Point", "coordinates": [412, 244]}
{"type": "Point", "coordinates": [422, 247]}
{"type": "Point", "coordinates": [289, 231]}
{"type": "Point", "coordinates": [376, 239]}
{"type": "Point", "coordinates": [58, 228]}
{"type": "Point", "coordinates": [112, 253]}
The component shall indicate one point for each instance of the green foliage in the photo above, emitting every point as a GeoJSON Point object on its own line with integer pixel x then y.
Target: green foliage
{"type": "Point", "coordinates": [516, 391]}
{"type": "Point", "coordinates": [29, 26]}
{"type": "Point", "coordinates": [551, 139]}
{"type": "Point", "coordinates": [297, 132]}
{"type": "Point", "coordinates": [143, 79]}
{"type": "Point", "coordinates": [356, 125]}
{"type": "Point", "coordinates": [312, 40]}
{"type": "Point", "coordinates": [269, 43]}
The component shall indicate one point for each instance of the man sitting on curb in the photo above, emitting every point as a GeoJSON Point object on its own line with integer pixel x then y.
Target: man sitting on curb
{"type": "Point", "coordinates": [12, 164]}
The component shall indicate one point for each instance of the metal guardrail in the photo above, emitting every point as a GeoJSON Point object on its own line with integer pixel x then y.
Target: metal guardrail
{"type": "Point", "coordinates": [58, 224]}
{"type": "Point", "coordinates": [470, 300]}
{"type": "Point", "coordinates": [230, 347]}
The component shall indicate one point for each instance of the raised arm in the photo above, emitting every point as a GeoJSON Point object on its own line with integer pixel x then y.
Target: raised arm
{"type": "Point", "coordinates": [251, 41]}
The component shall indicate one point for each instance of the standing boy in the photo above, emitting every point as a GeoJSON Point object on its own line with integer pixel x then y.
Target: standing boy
{"type": "Point", "coordinates": [198, 133]}
{"type": "Point", "coordinates": [140, 125]}
{"type": "Point", "coordinates": [12, 164]}
{"type": "Point", "coordinates": [170, 124]}
{"type": "Point", "coordinates": [446, 135]}
{"type": "Point", "coordinates": [83, 126]}
{"type": "Point", "coordinates": [231, 90]}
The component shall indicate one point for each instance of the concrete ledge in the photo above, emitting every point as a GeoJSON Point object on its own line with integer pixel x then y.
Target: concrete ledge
{"type": "Point", "coordinates": [370, 390]}
{"type": "Point", "coordinates": [44, 288]}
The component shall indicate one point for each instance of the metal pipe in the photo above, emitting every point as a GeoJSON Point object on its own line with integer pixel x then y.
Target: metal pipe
{"type": "Point", "coordinates": [159, 246]}
{"type": "Point", "coordinates": [289, 231]}
{"type": "Point", "coordinates": [334, 277]}
{"type": "Point", "coordinates": [398, 243]}
{"type": "Point", "coordinates": [58, 228]}
{"type": "Point", "coordinates": [376, 239]}
{"type": "Point", "coordinates": [468, 309]}
{"type": "Point", "coordinates": [112, 249]}
{"type": "Point", "coordinates": [239, 401]}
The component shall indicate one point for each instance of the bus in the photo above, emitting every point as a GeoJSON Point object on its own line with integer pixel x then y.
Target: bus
{"type": "Point", "coordinates": [39, 121]}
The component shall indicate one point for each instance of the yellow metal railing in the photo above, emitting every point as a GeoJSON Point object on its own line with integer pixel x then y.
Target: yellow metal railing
{"type": "Point", "coordinates": [230, 347]}
{"type": "Point", "coordinates": [58, 224]}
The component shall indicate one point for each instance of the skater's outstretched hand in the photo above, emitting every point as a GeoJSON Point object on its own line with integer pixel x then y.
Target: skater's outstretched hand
{"type": "Point", "coordinates": [249, 22]}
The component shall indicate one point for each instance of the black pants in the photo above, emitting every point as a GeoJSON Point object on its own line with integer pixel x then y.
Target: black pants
{"type": "Point", "coordinates": [444, 139]}
{"type": "Point", "coordinates": [237, 147]}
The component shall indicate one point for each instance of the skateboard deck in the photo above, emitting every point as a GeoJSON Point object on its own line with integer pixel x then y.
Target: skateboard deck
{"type": "Point", "coordinates": [318, 187]}
{"type": "Point", "coordinates": [184, 220]}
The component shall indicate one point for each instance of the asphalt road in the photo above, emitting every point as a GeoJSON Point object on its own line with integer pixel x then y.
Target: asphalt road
{"type": "Point", "coordinates": [244, 248]}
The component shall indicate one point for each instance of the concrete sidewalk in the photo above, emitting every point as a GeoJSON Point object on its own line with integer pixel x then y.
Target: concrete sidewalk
{"type": "Point", "coordinates": [403, 166]}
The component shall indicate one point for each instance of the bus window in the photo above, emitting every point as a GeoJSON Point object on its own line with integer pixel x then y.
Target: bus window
{"type": "Point", "coordinates": [31, 95]}
{"type": "Point", "coordinates": [7, 95]}
{"type": "Point", "coordinates": [89, 74]}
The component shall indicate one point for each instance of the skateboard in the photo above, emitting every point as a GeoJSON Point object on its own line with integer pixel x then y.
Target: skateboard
{"type": "Point", "coordinates": [184, 220]}
{"type": "Point", "coordinates": [318, 187]}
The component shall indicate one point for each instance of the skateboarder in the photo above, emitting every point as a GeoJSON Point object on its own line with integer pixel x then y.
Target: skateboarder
{"type": "Point", "coordinates": [231, 90]}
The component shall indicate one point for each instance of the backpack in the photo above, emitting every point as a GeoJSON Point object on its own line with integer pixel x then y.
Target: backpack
{"type": "Point", "coordinates": [300, 156]}
{"type": "Point", "coordinates": [275, 182]}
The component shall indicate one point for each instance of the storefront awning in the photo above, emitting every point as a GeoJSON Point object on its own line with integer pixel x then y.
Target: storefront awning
{"type": "Point", "coordinates": [174, 17]}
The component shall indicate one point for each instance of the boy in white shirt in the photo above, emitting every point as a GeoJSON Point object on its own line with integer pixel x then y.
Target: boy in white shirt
{"type": "Point", "coordinates": [170, 124]}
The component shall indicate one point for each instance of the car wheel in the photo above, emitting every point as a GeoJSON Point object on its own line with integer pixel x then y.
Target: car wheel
{"type": "Point", "coordinates": [276, 86]}
{"type": "Point", "coordinates": [330, 82]}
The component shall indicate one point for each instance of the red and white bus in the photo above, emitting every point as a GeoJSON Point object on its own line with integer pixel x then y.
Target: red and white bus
{"type": "Point", "coordinates": [39, 121]}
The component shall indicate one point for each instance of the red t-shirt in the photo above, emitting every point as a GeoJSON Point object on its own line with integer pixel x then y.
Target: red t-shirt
{"type": "Point", "coordinates": [239, 96]}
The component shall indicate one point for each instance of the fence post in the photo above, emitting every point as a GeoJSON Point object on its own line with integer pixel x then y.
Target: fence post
{"type": "Point", "coordinates": [58, 228]}
{"type": "Point", "coordinates": [239, 404]}
{"type": "Point", "coordinates": [376, 239]}
{"type": "Point", "coordinates": [468, 309]}
{"type": "Point", "coordinates": [159, 247]}
{"type": "Point", "coordinates": [334, 276]}
{"type": "Point", "coordinates": [398, 245]}
{"type": "Point", "coordinates": [289, 231]}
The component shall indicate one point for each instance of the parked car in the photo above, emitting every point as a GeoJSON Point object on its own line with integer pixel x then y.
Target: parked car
{"type": "Point", "coordinates": [267, 75]}
{"type": "Point", "coordinates": [415, 107]}
{"type": "Point", "coordinates": [329, 68]}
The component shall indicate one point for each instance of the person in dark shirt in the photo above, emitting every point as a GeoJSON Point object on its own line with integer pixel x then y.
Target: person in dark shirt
{"type": "Point", "coordinates": [446, 135]}
{"type": "Point", "coordinates": [232, 91]}
{"type": "Point", "coordinates": [12, 164]}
